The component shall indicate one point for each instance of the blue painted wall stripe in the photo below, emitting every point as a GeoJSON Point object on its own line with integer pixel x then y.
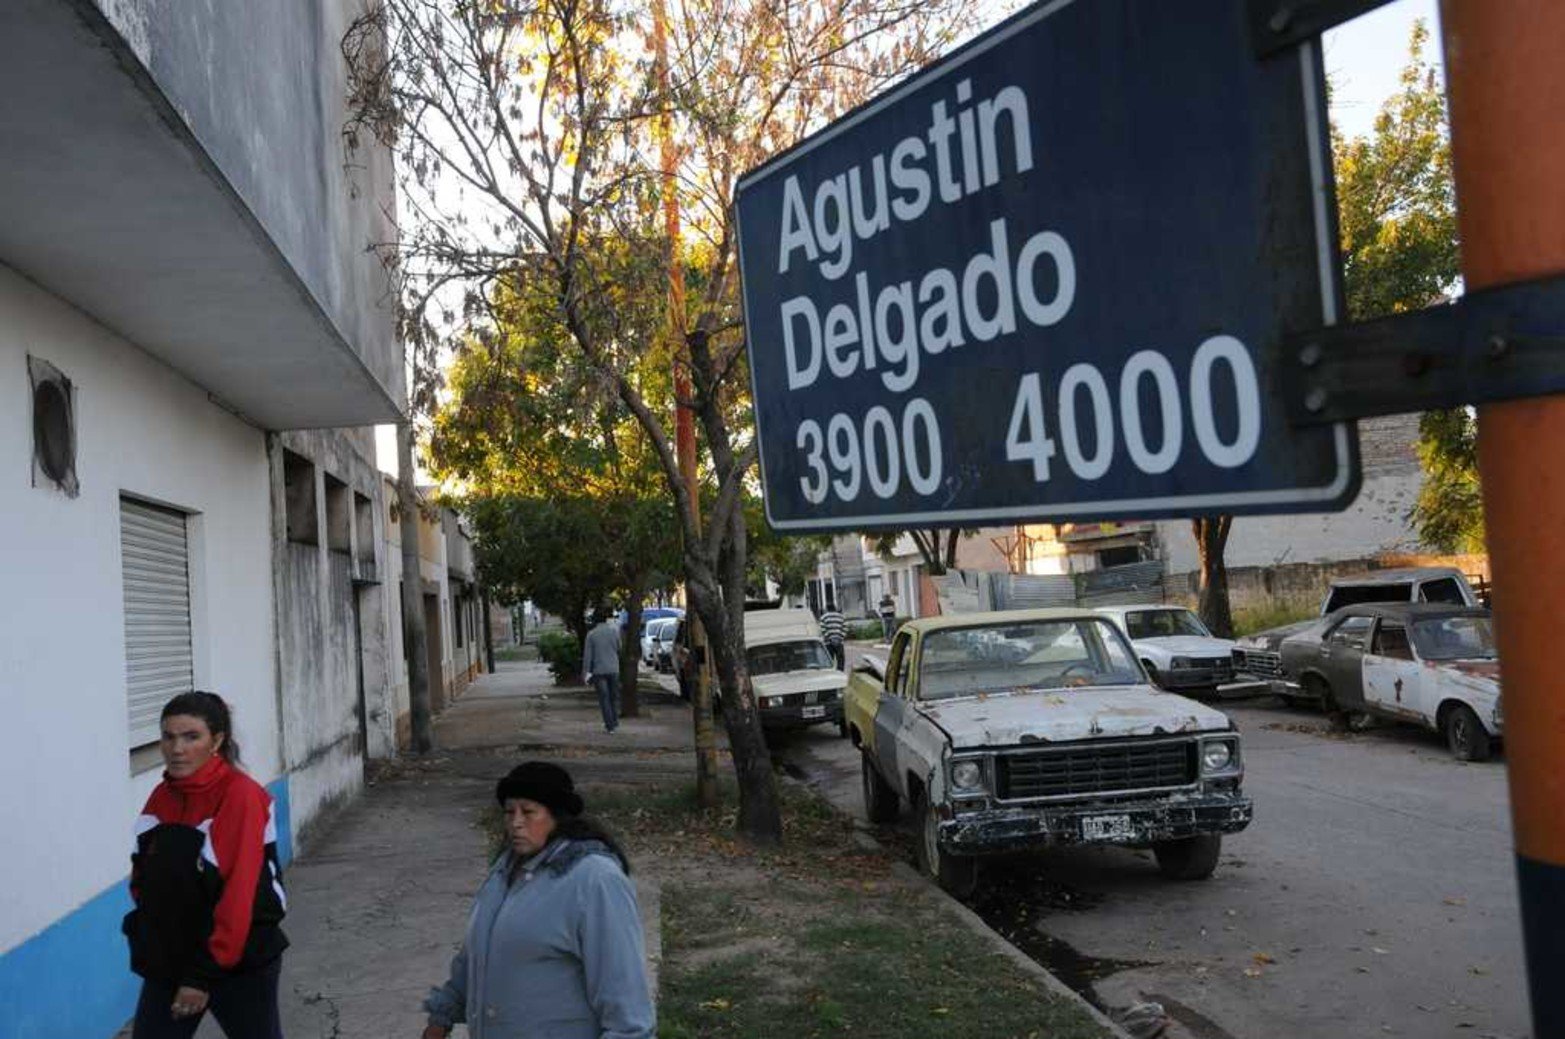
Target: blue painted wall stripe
{"type": "Point", "coordinates": [72, 980]}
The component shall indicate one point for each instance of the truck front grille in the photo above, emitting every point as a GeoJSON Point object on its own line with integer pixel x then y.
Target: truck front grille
{"type": "Point", "coordinates": [1258, 662]}
{"type": "Point", "coordinates": [1086, 769]}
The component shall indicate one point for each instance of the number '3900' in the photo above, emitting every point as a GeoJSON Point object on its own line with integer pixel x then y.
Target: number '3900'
{"type": "Point", "coordinates": [879, 453]}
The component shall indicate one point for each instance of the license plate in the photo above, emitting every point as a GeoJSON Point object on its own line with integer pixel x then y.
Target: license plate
{"type": "Point", "coordinates": [815, 712]}
{"type": "Point", "coordinates": [1106, 828]}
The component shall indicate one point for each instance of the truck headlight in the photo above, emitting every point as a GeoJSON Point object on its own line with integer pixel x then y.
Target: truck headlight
{"type": "Point", "coordinates": [1499, 714]}
{"type": "Point", "coordinates": [967, 776]}
{"type": "Point", "coordinates": [1179, 662]}
{"type": "Point", "coordinates": [1216, 755]}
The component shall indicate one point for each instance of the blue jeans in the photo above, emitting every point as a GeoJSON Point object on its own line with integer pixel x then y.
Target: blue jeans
{"type": "Point", "coordinates": [245, 1005]}
{"type": "Point", "coordinates": [608, 699]}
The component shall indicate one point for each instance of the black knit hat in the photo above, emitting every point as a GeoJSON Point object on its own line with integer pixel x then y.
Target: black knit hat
{"type": "Point", "coordinates": [549, 785]}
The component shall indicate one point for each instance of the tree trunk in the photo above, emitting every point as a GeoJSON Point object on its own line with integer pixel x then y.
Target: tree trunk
{"type": "Point", "coordinates": [1211, 538]}
{"type": "Point", "coordinates": [722, 613]}
{"type": "Point", "coordinates": [488, 634]}
{"type": "Point", "coordinates": [630, 652]}
{"type": "Point", "coordinates": [415, 641]}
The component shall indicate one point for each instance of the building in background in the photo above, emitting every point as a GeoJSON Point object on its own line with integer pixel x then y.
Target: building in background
{"type": "Point", "coordinates": [185, 284]}
{"type": "Point", "coordinates": [452, 616]}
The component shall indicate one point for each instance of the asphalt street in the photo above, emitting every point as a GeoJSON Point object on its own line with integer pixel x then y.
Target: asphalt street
{"type": "Point", "coordinates": [1373, 895]}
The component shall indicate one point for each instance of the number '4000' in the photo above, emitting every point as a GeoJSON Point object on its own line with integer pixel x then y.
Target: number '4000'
{"type": "Point", "coordinates": [1084, 402]}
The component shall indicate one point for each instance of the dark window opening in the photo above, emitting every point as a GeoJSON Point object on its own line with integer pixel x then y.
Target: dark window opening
{"type": "Point", "coordinates": [54, 428]}
{"type": "Point", "coordinates": [364, 527]}
{"type": "Point", "coordinates": [339, 518]}
{"type": "Point", "coordinates": [1391, 641]}
{"type": "Point", "coordinates": [1119, 556]}
{"type": "Point", "coordinates": [299, 497]}
{"type": "Point", "coordinates": [1445, 590]}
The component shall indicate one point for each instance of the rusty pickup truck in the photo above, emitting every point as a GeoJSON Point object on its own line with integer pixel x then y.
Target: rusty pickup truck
{"type": "Point", "coordinates": [1013, 731]}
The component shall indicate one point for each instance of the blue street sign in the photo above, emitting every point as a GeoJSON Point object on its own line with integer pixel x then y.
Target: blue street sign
{"type": "Point", "coordinates": [1045, 279]}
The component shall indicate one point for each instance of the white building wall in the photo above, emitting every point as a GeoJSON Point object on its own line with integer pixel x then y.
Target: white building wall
{"type": "Point", "coordinates": [143, 430]}
{"type": "Point", "coordinates": [1376, 523]}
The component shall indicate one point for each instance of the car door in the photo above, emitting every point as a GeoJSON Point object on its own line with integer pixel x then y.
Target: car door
{"type": "Point", "coordinates": [1342, 660]}
{"type": "Point", "coordinates": [893, 710]}
{"type": "Point", "coordinates": [1392, 676]}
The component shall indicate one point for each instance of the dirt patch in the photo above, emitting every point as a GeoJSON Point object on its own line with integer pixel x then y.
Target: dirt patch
{"type": "Point", "coordinates": [817, 937]}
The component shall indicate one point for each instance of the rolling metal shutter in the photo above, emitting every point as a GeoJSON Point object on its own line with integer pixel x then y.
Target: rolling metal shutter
{"type": "Point", "coordinates": [155, 557]}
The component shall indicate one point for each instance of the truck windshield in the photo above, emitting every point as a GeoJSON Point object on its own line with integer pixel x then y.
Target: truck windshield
{"type": "Point", "coordinates": [804, 655]}
{"type": "Point", "coordinates": [1043, 654]}
{"type": "Point", "coordinates": [1455, 638]}
{"type": "Point", "coordinates": [1159, 624]}
{"type": "Point", "coordinates": [1353, 595]}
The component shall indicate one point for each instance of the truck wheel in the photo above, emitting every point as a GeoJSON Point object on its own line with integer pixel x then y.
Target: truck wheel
{"type": "Point", "coordinates": [1465, 735]}
{"type": "Point", "coordinates": [1189, 858]}
{"type": "Point", "coordinates": [957, 874]}
{"type": "Point", "coordinates": [880, 801]}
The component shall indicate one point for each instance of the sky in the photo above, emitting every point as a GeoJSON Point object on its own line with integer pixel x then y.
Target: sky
{"type": "Point", "coordinates": [1363, 60]}
{"type": "Point", "coordinates": [1364, 57]}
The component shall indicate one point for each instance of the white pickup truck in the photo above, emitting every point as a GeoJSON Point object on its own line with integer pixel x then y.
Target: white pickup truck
{"type": "Point", "coordinates": [1013, 731]}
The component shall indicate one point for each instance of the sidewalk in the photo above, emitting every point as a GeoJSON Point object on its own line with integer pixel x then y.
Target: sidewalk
{"type": "Point", "coordinates": [378, 904]}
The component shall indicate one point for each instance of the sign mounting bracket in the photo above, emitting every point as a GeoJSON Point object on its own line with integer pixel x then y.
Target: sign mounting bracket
{"type": "Point", "coordinates": [1489, 345]}
{"type": "Point", "coordinates": [1276, 25]}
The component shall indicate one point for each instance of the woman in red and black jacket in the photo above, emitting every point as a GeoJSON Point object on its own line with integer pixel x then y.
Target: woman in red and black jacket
{"type": "Point", "coordinates": [207, 886]}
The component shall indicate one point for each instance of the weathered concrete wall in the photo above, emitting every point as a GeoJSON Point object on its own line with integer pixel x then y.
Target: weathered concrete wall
{"type": "Point", "coordinates": [332, 684]}
{"type": "Point", "coordinates": [1302, 586]}
{"type": "Point", "coordinates": [263, 86]}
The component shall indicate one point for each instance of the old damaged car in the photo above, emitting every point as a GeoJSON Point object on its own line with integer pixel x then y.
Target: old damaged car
{"type": "Point", "coordinates": [1177, 650]}
{"type": "Point", "coordinates": [1430, 664]}
{"type": "Point", "coordinates": [1015, 731]}
{"type": "Point", "coordinates": [1258, 656]}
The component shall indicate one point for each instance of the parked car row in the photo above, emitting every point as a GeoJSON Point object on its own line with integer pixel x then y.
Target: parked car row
{"type": "Point", "coordinates": [1406, 645]}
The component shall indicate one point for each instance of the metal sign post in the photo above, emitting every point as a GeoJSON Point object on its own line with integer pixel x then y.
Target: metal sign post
{"type": "Point", "coordinates": [1043, 279]}
{"type": "Point", "coordinates": [1506, 83]}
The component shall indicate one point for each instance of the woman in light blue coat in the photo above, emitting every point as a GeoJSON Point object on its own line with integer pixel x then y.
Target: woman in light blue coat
{"type": "Point", "coordinates": [554, 946]}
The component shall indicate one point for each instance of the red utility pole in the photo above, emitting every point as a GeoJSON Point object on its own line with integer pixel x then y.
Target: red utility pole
{"type": "Point", "coordinates": [1506, 80]}
{"type": "Point", "coordinates": [684, 412]}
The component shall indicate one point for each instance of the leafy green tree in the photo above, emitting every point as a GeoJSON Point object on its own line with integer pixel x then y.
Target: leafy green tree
{"type": "Point", "coordinates": [524, 426]}
{"type": "Point", "coordinates": [524, 133]}
{"type": "Point", "coordinates": [1396, 204]}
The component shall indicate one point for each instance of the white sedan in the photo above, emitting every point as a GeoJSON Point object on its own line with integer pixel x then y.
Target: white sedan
{"type": "Point", "coordinates": [657, 628]}
{"type": "Point", "coordinates": [1178, 651]}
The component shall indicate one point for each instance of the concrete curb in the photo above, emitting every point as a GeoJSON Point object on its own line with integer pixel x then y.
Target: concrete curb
{"type": "Point", "coordinates": [649, 897]}
{"type": "Point", "coordinates": [975, 923]}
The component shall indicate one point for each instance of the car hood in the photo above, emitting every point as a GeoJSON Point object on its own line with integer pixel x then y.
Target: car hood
{"type": "Point", "coordinates": [1186, 646]}
{"type": "Point", "coordinates": [1056, 715]}
{"type": "Point", "coordinates": [1271, 639]}
{"type": "Point", "coordinates": [810, 680]}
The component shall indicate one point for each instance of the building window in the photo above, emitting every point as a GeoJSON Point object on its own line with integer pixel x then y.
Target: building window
{"type": "Point", "coordinates": [364, 524]}
{"type": "Point", "coordinates": [339, 518]}
{"type": "Point", "coordinates": [1119, 556]}
{"type": "Point", "coordinates": [54, 428]}
{"type": "Point", "coordinates": [155, 563]}
{"type": "Point", "coordinates": [299, 496]}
